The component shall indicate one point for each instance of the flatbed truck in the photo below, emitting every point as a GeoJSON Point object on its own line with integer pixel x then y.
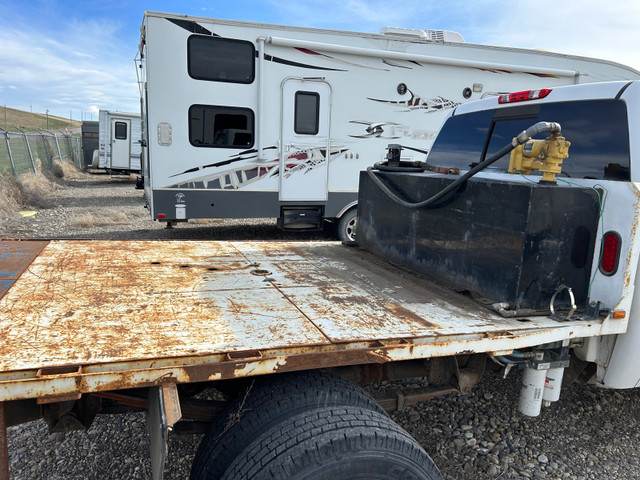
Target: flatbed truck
{"type": "Point", "coordinates": [285, 330]}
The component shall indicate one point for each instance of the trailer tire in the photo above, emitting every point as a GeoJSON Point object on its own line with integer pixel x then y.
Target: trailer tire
{"type": "Point", "coordinates": [334, 443]}
{"type": "Point", "coordinates": [347, 225]}
{"type": "Point", "coordinates": [265, 404]}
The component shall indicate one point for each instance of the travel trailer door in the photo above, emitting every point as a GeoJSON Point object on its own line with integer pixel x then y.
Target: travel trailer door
{"type": "Point", "coordinates": [120, 142]}
{"type": "Point", "coordinates": [305, 144]}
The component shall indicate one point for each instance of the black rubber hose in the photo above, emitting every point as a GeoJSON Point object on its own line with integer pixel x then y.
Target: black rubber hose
{"type": "Point", "coordinates": [523, 137]}
{"type": "Point", "coordinates": [386, 168]}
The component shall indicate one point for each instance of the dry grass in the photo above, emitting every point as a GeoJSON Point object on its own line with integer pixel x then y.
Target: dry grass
{"type": "Point", "coordinates": [10, 197]}
{"type": "Point", "coordinates": [97, 217]}
{"type": "Point", "coordinates": [33, 121]}
{"type": "Point", "coordinates": [36, 189]}
{"type": "Point", "coordinates": [62, 169]}
{"type": "Point", "coordinates": [31, 189]}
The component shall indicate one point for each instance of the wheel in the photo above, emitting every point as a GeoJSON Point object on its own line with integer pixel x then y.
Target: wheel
{"type": "Point", "coordinates": [334, 443]}
{"type": "Point", "coordinates": [266, 404]}
{"type": "Point", "coordinates": [347, 226]}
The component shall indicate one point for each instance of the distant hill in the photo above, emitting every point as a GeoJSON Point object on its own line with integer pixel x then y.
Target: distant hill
{"type": "Point", "coordinates": [18, 119]}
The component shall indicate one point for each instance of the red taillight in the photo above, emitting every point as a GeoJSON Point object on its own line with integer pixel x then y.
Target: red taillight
{"type": "Point", "coordinates": [162, 215]}
{"type": "Point", "coordinates": [611, 243]}
{"type": "Point", "coordinates": [524, 96]}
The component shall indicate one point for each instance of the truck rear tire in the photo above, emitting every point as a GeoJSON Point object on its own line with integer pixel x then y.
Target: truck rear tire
{"type": "Point", "coordinates": [347, 225]}
{"type": "Point", "coordinates": [334, 443]}
{"type": "Point", "coordinates": [268, 402]}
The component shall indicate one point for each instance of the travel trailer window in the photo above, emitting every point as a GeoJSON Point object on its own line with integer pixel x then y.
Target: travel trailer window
{"type": "Point", "coordinates": [222, 127]}
{"type": "Point", "coordinates": [221, 59]}
{"type": "Point", "coordinates": [121, 131]}
{"type": "Point", "coordinates": [596, 129]}
{"type": "Point", "coordinates": [307, 113]}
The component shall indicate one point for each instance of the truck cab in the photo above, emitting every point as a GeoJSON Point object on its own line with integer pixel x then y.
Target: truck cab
{"type": "Point", "coordinates": [600, 121]}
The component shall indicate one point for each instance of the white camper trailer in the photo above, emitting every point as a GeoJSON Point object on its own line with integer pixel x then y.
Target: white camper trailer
{"type": "Point", "coordinates": [119, 142]}
{"type": "Point", "coordinates": [255, 120]}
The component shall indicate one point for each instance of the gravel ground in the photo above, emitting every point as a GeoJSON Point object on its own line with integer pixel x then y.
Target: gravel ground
{"type": "Point", "coordinates": [590, 434]}
{"type": "Point", "coordinates": [104, 207]}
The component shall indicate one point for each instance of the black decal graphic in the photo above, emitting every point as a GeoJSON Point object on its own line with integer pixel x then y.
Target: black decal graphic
{"type": "Point", "coordinates": [430, 105]}
{"type": "Point", "coordinates": [192, 27]}
{"type": "Point", "coordinates": [375, 130]}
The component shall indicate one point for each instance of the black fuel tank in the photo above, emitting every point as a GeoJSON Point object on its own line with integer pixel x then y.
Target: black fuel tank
{"type": "Point", "coordinates": [503, 241]}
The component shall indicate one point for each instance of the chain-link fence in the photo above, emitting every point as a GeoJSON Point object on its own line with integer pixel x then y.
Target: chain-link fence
{"type": "Point", "coordinates": [22, 152]}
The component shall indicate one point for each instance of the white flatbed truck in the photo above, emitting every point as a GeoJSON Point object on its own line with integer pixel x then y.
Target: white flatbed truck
{"type": "Point", "coordinates": [89, 324]}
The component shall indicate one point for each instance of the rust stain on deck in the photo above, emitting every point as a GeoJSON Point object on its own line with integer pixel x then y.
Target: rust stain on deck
{"type": "Point", "coordinates": [103, 302]}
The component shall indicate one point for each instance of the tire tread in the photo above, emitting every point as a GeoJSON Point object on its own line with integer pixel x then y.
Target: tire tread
{"type": "Point", "coordinates": [309, 440]}
{"type": "Point", "coordinates": [270, 401]}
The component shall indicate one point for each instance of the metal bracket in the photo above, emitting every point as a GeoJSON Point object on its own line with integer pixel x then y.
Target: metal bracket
{"type": "Point", "coordinates": [163, 412]}
{"type": "Point", "coordinates": [471, 373]}
{"type": "Point", "coordinates": [573, 301]}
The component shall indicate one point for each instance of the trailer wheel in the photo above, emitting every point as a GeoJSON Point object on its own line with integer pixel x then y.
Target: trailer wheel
{"type": "Point", "coordinates": [265, 404]}
{"type": "Point", "coordinates": [334, 443]}
{"type": "Point", "coordinates": [347, 226]}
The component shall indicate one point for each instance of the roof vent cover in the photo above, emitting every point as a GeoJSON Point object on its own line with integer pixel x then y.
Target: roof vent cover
{"type": "Point", "coordinates": [439, 36]}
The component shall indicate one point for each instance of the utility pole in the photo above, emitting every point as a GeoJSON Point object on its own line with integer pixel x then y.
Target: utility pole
{"type": "Point", "coordinates": [5, 116]}
{"type": "Point", "coordinates": [47, 119]}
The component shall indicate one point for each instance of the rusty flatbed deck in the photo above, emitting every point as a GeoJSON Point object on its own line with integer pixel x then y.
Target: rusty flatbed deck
{"type": "Point", "coordinates": [83, 316]}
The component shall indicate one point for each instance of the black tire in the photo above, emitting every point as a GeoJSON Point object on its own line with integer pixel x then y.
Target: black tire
{"type": "Point", "coordinates": [266, 404]}
{"type": "Point", "coordinates": [347, 225]}
{"type": "Point", "coordinates": [334, 443]}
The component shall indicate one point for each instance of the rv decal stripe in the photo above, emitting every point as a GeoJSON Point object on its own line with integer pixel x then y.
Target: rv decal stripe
{"type": "Point", "coordinates": [192, 27]}
{"type": "Point", "coordinates": [229, 161]}
{"type": "Point", "coordinates": [218, 164]}
{"type": "Point", "coordinates": [299, 162]}
{"type": "Point", "coordinates": [393, 64]}
{"type": "Point", "coordinates": [543, 75]}
{"type": "Point", "coordinates": [310, 52]}
{"type": "Point", "coordinates": [296, 64]}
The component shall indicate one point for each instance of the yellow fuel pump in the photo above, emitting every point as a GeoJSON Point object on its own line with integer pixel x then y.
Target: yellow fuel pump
{"type": "Point", "coordinates": [544, 155]}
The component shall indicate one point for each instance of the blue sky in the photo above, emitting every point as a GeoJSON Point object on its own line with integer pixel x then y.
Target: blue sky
{"type": "Point", "coordinates": [74, 57]}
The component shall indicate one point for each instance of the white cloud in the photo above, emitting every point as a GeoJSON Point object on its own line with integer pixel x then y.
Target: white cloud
{"type": "Point", "coordinates": [82, 54]}
{"type": "Point", "coordinates": [592, 28]}
{"type": "Point", "coordinates": [80, 65]}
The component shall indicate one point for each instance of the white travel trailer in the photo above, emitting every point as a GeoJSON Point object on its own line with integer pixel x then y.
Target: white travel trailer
{"type": "Point", "coordinates": [119, 144]}
{"type": "Point", "coordinates": [256, 120]}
